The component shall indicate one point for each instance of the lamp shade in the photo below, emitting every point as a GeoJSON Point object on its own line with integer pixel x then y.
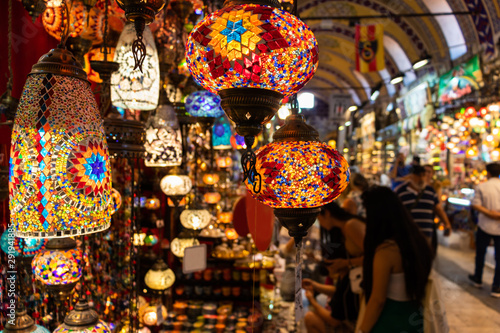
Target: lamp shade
{"type": "Point", "coordinates": [178, 245]}
{"type": "Point", "coordinates": [176, 185]}
{"type": "Point", "coordinates": [163, 138]}
{"type": "Point", "coordinates": [82, 319]}
{"type": "Point", "coordinates": [195, 219]}
{"type": "Point", "coordinates": [212, 197]}
{"type": "Point", "coordinates": [211, 178]}
{"type": "Point", "coordinates": [55, 21]}
{"type": "Point", "coordinates": [150, 314]}
{"type": "Point", "coordinates": [16, 246]}
{"type": "Point", "coordinates": [221, 134]}
{"type": "Point", "coordinates": [252, 46]}
{"type": "Point", "coordinates": [60, 174]}
{"type": "Point", "coordinates": [159, 277]}
{"type": "Point", "coordinates": [203, 104]}
{"type": "Point", "coordinates": [60, 263]}
{"type": "Point", "coordinates": [299, 174]}
{"type": "Point", "coordinates": [133, 89]}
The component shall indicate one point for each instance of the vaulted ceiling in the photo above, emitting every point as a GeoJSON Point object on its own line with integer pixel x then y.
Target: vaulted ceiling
{"type": "Point", "coordinates": [447, 39]}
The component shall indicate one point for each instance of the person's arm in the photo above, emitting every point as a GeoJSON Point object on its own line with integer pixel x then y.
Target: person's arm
{"type": "Point", "coordinates": [489, 213]}
{"type": "Point", "coordinates": [350, 206]}
{"type": "Point", "coordinates": [442, 215]}
{"type": "Point", "coordinates": [326, 289]}
{"type": "Point", "coordinates": [323, 313]}
{"type": "Point", "coordinates": [393, 173]}
{"type": "Point", "coordinates": [381, 275]}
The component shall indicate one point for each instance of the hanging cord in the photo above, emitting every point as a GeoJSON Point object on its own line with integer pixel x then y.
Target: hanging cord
{"type": "Point", "coordinates": [248, 162]}
{"type": "Point", "coordinates": [138, 46]}
{"type": "Point", "coordinates": [65, 32]}
{"type": "Point", "coordinates": [299, 306]}
{"type": "Point", "coordinates": [104, 47]}
{"type": "Point", "coordinates": [9, 40]}
{"type": "Point", "coordinates": [84, 264]}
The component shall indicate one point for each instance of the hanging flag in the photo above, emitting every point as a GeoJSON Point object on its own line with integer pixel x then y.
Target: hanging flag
{"type": "Point", "coordinates": [369, 48]}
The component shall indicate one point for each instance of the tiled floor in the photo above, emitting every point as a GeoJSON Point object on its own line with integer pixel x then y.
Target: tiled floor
{"type": "Point", "coordinates": [469, 310]}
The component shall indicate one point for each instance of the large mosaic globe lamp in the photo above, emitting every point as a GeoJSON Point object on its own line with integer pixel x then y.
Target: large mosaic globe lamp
{"type": "Point", "coordinates": [299, 175]}
{"type": "Point", "coordinates": [59, 267]}
{"type": "Point", "coordinates": [132, 88]}
{"type": "Point", "coordinates": [60, 173]}
{"type": "Point", "coordinates": [253, 54]}
{"type": "Point", "coordinates": [83, 319]}
{"type": "Point", "coordinates": [23, 323]}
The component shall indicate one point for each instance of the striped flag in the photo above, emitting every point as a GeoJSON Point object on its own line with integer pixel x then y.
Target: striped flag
{"type": "Point", "coordinates": [369, 48]}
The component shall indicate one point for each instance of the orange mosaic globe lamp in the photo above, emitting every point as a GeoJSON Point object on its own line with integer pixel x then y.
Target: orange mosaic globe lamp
{"type": "Point", "coordinates": [299, 175]}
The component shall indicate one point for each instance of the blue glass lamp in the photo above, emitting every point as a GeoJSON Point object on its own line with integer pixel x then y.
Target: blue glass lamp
{"type": "Point", "coordinates": [204, 104]}
{"type": "Point", "coordinates": [26, 247]}
{"type": "Point", "coordinates": [221, 134]}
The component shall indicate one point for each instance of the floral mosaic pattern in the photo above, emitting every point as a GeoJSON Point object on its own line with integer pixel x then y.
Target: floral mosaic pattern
{"type": "Point", "coordinates": [252, 46]}
{"type": "Point", "coordinates": [60, 176]}
{"type": "Point", "coordinates": [300, 174]}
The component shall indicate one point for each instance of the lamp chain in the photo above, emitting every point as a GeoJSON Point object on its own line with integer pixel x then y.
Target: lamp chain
{"type": "Point", "coordinates": [65, 31]}
{"type": "Point", "coordinates": [104, 47]}
{"type": "Point", "coordinates": [138, 46]}
{"type": "Point", "coordinates": [248, 162]}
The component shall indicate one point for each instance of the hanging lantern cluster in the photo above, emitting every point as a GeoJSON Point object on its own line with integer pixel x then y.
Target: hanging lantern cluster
{"type": "Point", "coordinates": [132, 88]}
{"type": "Point", "coordinates": [60, 174]}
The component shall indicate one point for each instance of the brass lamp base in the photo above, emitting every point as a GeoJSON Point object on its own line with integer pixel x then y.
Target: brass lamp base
{"type": "Point", "coordinates": [297, 220]}
{"type": "Point", "coordinates": [250, 108]}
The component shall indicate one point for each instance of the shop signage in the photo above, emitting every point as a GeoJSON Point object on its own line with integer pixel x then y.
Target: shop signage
{"type": "Point", "coordinates": [414, 101]}
{"type": "Point", "coordinates": [460, 81]}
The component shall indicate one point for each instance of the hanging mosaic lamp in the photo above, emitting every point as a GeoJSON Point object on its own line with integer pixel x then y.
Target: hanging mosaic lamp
{"type": "Point", "coordinates": [83, 319]}
{"type": "Point", "coordinates": [159, 277]}
{"type": "Point", "coordinates": [204, 104]}
{"type": "Point", "coordinates": [22, 323]}
{"type": "Point", "coordinates": [132, 88]}
{"type": "Point", "coordinates": [221, 133]}
{"type": "Point", "coordinates": [299, 175]}
{"type": "Point", "coordinates": [60, 173]}
{"type": "Point", "coordinates": [182, 242]}
{"type": "Point", "coordinates": [253, 54]}
{"type": "Point", "coordinates": [163, 136]}
{"type": "Point", "coordinates": [59, 266]}
{"type": "Point", "coordinates": [212, 198]}
{"type": "Point", "coordinates": [24, 247]}
{"type": "Point", "coordinates": [176, 185]}
{"type": "Point", "coordinates": [149, 313]}
{"type": "Point", "coordinates": [195, 219]}
{"type": "Point", "coordinates": [141, 13]}
{"type": "Point", "coordinates": [210, 178]}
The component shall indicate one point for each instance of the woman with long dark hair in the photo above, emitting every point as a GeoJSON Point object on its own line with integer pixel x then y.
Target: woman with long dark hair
{"type": "Point", "coordinates": [396, 266]}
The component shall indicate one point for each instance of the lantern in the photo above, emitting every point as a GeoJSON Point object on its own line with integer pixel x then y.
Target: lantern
{"type": "Point", "coordinates": [221, 134]}
{"type": "Point", "coordinates": [82, 319]}
{"type": "Point", "coordinates": [150, 314]}
{"type": "Point", "coordinates": [176, 185]}
{"type": "Point", "coordinates": [54, 19]}
{"type": "Point", "coordinates": [179, 204]}
{"type": "Point", "coordinates": [22, 323]}
{"type": "Point", "coordinates": [152, 203]}
{"type": "Point", "coordinates": [116, 201]}
{"type": "Point", "coordinates": [141, 12]}
{"type": "Point", "coordinates": [26, 247]}
{"type": "Point", "coordinates": [195, 219]}
{"type": "Point", "coordinates": [224, 162]}
{"type": "Point", "coordinates": [150, 240]}
{"type": "Point", "coordinates": [211, 178]}
{"type": "Point", "coordinates": [253, 55]}
{"type": "Point", "coordinates": [231, 234]}
{"type": "Point", "coordinates": [212, 197]}
{"type": "Point", "coordinates": [182, 242]}
{"type": "Point", "coordinates": [60, 174]}
{"type": "Point", "coordinates": [159, 277]}
{"type": "Point", "coordinates": [203, 104]}
{"type": "Point", "coordinates": [130, 87]}
{"type": "Point", "coordinates": [59, 266]}
{"type": "Point", "coordinates": [225, 217]}
{"type": "Point", "coordinates": [299, 175]}
{"type": "Point", "coordinates": [163, 136]}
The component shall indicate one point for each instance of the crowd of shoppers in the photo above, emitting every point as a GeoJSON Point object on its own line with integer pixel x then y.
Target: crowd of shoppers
{"type": "Point", "coordinates": [391, 234]}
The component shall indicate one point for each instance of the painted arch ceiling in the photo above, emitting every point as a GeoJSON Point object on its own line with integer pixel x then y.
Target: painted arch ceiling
{"type": "Point", "coordinates": [445, 38]}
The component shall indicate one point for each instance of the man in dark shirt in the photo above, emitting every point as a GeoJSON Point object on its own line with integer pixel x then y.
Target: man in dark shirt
{"type": "Point", "coordinates": [422, 202]}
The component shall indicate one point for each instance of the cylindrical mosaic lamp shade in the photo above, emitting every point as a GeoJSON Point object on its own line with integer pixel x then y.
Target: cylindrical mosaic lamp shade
{"type": "Point", "coordinates": [60, 174]}
{"type": "Point", "coordinates": [131, 88]}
